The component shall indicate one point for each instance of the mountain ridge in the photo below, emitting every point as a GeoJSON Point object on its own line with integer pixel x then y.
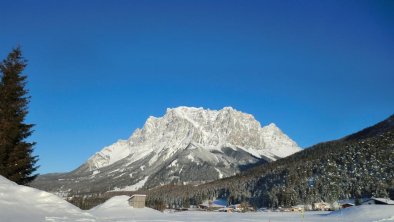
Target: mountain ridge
{"type": "Point", "coordinates": [185, 145]}
{"type": "Point", "coordinates": [382, 126]}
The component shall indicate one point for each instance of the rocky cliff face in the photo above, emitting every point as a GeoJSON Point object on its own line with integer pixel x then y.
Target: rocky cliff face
{"type": "Point", "coordinates": [186, 145]}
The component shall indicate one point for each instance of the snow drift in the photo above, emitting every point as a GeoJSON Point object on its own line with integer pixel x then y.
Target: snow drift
{"type": "Point", "coordinates": [25, 204]}
{"type": "Point", "coordinates": [20, 203]}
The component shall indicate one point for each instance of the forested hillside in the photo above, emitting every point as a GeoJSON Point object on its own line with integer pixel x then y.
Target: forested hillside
{"type": "Point", "coordinates": [360, 165]}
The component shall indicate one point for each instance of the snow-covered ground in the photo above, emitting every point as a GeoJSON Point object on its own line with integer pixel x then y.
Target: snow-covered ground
{"type": "Point", "coordinates": [21, 203]}
{"type": "Point", "coordinates": [25, 204]}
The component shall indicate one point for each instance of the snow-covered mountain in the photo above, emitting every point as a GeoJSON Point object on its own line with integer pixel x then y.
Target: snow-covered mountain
{"type": "Point", "coordinates": [211, 130]}
{"type": "Point", "coordinates": [186, 145]}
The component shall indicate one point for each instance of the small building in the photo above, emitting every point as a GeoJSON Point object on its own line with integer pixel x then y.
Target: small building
{"type": "Point", "coordinates": [241, 207]}
{"type": "Point", "coordinates": [380, 201]}
{"type": "Point", "coordinates": [226, 209]}
{"type": "Point", "coordinates": [137, 200]}
{"type": "Point", "coordinates": [213, 205]}
{"type": "Point", "coordinates": [321, 206]}
{"type": "Point", "coordinates": [298, 208]}
{"type": "Point", "coordinates": [236, 207]}
{"type": "Point", "coordinates": [203, 206]}
{"type": "Point", "coordinates": [284, 209]}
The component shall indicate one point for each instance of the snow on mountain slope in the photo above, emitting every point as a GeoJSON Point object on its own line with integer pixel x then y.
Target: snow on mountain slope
{"type": "Point", "coordinates": [110, 154]}
{"type": "Point", "coordinates": [186, 146]}
{"type": "Point", "coordinates": [210, 129]}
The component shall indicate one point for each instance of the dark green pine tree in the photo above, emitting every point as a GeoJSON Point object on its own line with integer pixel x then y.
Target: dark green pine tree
{"type": "Point", "coordinates": [17, 162]}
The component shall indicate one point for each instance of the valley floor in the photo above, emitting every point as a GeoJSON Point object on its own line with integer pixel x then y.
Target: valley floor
{"type": "Point", "coordinates": [26, 204]}
{"type": "Point", "coordinates": [144, 215]}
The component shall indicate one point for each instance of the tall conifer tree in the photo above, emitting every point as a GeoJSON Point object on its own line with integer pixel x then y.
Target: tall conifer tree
{"type": "Point", "coordinates": [17, 162]}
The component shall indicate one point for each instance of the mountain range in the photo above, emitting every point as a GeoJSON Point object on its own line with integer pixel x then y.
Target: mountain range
{"type": "Point", "coordinates": [186, 146]}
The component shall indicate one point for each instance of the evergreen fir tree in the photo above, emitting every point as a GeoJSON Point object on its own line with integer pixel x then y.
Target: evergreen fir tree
{"type": "Point", "coordinates": [17, 162]}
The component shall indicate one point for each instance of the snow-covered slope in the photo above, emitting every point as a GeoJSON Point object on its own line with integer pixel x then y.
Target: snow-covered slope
{"type": "Point", "coordinates": [186, 145]}
{"type": "Point", "coordinates": [21, 203]}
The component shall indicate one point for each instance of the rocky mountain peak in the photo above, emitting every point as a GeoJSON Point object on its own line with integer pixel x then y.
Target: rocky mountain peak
{"type": "Point", "coordinates": [185, 145]}
{"type": "Point", "coordinates": [210, 129]}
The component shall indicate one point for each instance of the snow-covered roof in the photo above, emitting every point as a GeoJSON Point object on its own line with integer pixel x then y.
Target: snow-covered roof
{"type": "Point", "coordinates": [351, 201]}
{"type": "Point", "coordinates": [215, 203]}
{"type": "Point", "coordinates": [383, 200]}
{"type": "Point", "coordinates": [138, 195]}
{"type": "Point", "coordinates": [351, 204]}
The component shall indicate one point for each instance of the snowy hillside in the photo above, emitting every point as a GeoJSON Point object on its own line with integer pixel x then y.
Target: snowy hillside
{"type": "Point", "coordinates": [186, 145]}
{"type": "Point", "coordinates": [20, 204]}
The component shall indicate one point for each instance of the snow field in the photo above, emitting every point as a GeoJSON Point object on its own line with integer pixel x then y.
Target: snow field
{"type": "Point", "coordinates": [25, 204]}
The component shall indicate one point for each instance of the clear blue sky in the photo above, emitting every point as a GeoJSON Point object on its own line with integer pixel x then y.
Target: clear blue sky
{"type": "Point", "coordinates": [98, 69]}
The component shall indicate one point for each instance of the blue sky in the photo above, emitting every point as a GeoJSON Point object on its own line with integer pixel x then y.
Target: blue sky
{"type": "Point", "coordinates": [98, 69]}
